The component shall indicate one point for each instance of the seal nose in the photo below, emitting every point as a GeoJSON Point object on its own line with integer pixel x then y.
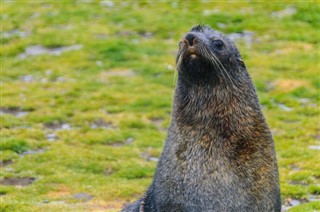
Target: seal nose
{"type": "Point", "coordinates": [190, 38]}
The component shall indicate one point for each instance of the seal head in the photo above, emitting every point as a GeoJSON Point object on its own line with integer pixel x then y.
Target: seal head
{"type": "Point", "coordinates": [203, 54]}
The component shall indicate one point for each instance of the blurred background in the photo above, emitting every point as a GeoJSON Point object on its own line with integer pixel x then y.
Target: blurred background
{"type": "Point", "coordinates": [86, 91]}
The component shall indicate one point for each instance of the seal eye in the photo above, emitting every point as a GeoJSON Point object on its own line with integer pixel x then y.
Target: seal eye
{"type": "Point", "coordinates": [217, 43]}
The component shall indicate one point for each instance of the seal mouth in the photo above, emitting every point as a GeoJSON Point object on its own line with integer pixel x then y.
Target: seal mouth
{"type": "Point", "coordinates": [191, 51]}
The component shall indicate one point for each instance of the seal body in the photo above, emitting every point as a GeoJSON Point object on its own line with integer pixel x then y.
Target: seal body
{"type": "Point", "coordinates": [219, 153]}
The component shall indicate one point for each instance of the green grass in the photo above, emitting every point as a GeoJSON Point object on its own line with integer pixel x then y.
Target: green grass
{"type": "Point", "coordinates": [122, 80]}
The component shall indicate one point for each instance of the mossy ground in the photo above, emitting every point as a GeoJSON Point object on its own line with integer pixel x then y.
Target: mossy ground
{"type": "Point", "coordinates": [91, 120]}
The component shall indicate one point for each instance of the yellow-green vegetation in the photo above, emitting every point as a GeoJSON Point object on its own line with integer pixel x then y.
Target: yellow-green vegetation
{"type": "Point", "coordinates": [86, 91]}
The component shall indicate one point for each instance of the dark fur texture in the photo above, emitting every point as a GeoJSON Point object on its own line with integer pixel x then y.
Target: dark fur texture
{"type": "Point", "coordinates": [219, 153]}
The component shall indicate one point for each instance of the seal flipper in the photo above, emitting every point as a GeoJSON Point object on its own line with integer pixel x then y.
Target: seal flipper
{"type": "Point", "coordinates": [134, 207]}
{"type": "Point", "coordinates": [144, 204]}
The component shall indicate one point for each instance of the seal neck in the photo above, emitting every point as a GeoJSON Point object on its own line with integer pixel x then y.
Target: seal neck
{"type": "Point", "coordinates": [221, 106]}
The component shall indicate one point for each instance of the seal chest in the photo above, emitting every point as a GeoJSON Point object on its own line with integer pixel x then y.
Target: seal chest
{"type": "Point", "coordinates": [219, 153]}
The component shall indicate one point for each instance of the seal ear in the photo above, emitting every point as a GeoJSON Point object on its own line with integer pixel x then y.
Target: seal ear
{"type": "Point", "coordinates": [239, 59]}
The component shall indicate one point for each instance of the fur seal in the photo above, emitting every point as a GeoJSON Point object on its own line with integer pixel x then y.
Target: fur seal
{"type": "Point", "coordinates": [219, 153]}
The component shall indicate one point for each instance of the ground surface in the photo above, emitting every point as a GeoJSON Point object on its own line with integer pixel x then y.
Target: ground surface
{"type": "Point", "coordinates": [86, 92]}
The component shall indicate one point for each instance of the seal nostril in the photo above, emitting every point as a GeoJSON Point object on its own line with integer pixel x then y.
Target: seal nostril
{"type": "Point", "coordinates": [190, 38]}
